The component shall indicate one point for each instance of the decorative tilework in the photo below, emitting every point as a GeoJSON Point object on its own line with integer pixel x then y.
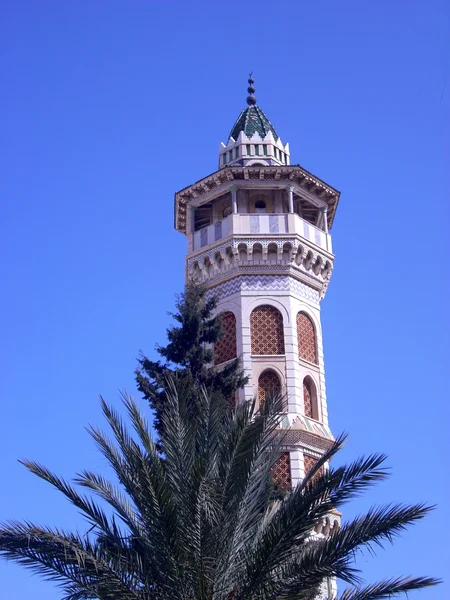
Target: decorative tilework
{"type": "Point", "coordinates": [307, 347]}
{"type": "Point", "coordinates": [254, 224]}
{"type": "Point", "coordinates": [268, 384]}
{"type": "Point", "coordinates": [225, 348]}
{"type": "Point", "coordinates": [306, 229]}
{"type": "Point", "coordinates": [253, 120]}
{"type": "Point", "coordinates": [307, 398]}
{"type": "Point", "coordinates": [218, 231]}
{"type": "Point", "coordinates": [281, 472]}
{"type": "Point", "coordinates": [273, 224]}
{"type": "Point", "coordinates": [318, 237]}
{"type": "Point", "coordinates": [266, 329]}
{"type": "Point", "coordinates": [266, 283]}
{"type": "Point", "coordinates": [310, 462]}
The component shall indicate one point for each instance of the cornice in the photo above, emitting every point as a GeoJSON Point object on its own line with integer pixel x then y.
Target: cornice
{"type": "Point", "coordinates": [216, 183]}
{"type": "Point", "coordinates": [295, 438]}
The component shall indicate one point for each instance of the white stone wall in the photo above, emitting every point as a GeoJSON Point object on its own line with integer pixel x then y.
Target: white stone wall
{"type": "Point", "coordinates": [290, 368]}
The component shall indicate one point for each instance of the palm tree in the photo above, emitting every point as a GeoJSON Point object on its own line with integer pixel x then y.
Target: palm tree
{"type": "Point", "coordinates": [202, 521]}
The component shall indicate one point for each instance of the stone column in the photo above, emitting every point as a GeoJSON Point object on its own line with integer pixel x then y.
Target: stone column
{"type": "Point", "coordinates": [290, 190]}
{"type": "Point", "coordinates": [234, 199]}
{"type": "Point", "coordinates": [325, 218]}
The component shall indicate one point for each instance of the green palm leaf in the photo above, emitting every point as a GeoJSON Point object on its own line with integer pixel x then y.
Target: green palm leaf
{"type": "Point", "coordinates": [200, 521]}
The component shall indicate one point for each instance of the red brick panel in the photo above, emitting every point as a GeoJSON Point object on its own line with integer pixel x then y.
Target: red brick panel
{"type": "Point", "coordinates": [310, 462]}
{"type": "Point", "coordinates": [268, 383]}
{"type": "Point", "coordinates": [307, 398]}
{"type": "Point", "coordinates": [266, 328]}
{"type": "Point", "coordinates": [307, 345]}
{"type": "Point", "coordinates": [281, 472]}
{"type": "Point", "coordinates": [225, 348]}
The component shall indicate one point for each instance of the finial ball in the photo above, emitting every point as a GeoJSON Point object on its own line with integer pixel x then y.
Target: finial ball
{"type": "Point", "coordinates": [251, 100]}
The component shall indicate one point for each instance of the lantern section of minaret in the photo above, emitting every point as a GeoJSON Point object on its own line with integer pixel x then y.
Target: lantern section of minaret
{"type": "Point", "coordinates": [258, 233]}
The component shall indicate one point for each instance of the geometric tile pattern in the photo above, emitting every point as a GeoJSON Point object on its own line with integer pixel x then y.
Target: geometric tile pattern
{"type": "Point", "coordinates": [266, 330]}
{"type": "Point", "coordinates": [310, 462]}
{"type": "Point", "coordinates": [281, 472]}
{"type": "Point", "coordinates": [307, 347]}
{"type": "Point", "coordinates": [307, 398]}
{"type": "Point", "coordinates": [225, 348]}
{"type": "Point", "coordinates": [268, 385]}
{"type": "Point", "coordinates": [265, 283]}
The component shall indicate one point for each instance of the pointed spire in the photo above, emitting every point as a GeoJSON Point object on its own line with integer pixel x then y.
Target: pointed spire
{"type": "Point", "coordinates": [251, 100]}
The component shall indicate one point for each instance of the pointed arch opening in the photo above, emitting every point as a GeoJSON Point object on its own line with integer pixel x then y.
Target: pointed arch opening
{"type": "Point", "coordinates": [310, 402]}
{"type": "Point", "coordinates": [269, 384]}
{"type": "Point", "coordinates": [307, 339]}
{"type": "Point", "coordinates": [266, 330]}
{"type": "Point", "coordinates": [272, 252]}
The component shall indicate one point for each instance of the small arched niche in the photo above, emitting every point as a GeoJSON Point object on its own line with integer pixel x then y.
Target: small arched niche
{"type": "Point", "coordinates": [310, 400]}
{"type": "Point", "coordinates": [272, 252]}
{"type": "Point", "coordinates": [287, 252]}
{"type": "Point", "coordinates": [257, 252]}
{"type": "Point", "coordinates": [307, 339]}
{"type": "Point", "coordinates": [242, 249]}
{"type": "Point", "coordinates": [269, 385]}
{"type": "Point", "coordinates": [219, 260]}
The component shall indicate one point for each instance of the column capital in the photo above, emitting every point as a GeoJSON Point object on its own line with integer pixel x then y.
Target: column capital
{"type": "Point", "coordinates": [234, 188]}
{"type": "Point", "coordinates": [290, 188]}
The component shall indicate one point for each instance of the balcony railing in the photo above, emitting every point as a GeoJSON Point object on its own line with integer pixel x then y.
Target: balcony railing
{"type": "Point", "coordinates": [256, 224]}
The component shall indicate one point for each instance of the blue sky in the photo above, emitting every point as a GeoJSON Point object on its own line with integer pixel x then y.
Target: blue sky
{"type": "Point", "coordinates": [108, 109]}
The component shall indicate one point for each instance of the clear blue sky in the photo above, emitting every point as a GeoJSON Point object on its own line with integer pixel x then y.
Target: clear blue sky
{"type": "Point", "coordinates": [108, 108]}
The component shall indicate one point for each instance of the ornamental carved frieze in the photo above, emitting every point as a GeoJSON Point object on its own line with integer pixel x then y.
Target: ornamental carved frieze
{"type": "Point", "coordinates": [264, 283]}
{"type": "Point", "coordinates": [238, 256]}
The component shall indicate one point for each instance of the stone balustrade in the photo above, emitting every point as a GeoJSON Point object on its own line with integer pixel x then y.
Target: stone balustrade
{"type": "Point", "coordinates": [255, 224]}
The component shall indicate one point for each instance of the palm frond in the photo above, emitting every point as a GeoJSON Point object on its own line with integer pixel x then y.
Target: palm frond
{"type": "Point", "coordinates": [389, 588]}
{"type": "Point", "coordinates": [201, 520]}
{"type": "Point", "coordinates": [65, 557]}
{"type": "Point", "coordinates": [89, 509]}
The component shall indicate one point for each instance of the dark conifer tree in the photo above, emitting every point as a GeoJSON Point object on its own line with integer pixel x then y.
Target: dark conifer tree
{"type": "Point", "coordinates": [188, 358]}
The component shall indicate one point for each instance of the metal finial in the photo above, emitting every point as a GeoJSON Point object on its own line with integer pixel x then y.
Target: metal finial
{"type": "Point", "coordinates": [251, 100]}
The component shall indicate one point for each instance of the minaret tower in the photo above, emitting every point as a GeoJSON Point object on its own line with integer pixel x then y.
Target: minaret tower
{"type": "Point", "coordinates": [258, 236]}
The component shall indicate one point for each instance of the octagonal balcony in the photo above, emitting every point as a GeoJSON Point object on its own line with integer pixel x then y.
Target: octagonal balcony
{"type": "Point", "coordinates": [258, 224]}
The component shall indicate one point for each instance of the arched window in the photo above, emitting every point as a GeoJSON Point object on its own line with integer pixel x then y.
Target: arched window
{"type": "Point", "coordinates": [260, 206]}
{"type": "Point", "coordinates": [268, 384]}
{"type": "Point", "coordinates": [281, 472]}
{"type": "Point", "coordinates": [225, 348]}
{"type": "Point", "coordinates": [310, 399]}
{"type": "Point", "coordinates": [266, 330]}
{"type": "Point", "coordinates": [307, 346]}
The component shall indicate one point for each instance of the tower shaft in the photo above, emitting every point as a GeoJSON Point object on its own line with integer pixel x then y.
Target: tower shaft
{"type": "Point", "coordinates": [258, 233]}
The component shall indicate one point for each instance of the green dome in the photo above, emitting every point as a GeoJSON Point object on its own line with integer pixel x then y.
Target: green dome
{"type": "Point", "coordinates": [252, 120]}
